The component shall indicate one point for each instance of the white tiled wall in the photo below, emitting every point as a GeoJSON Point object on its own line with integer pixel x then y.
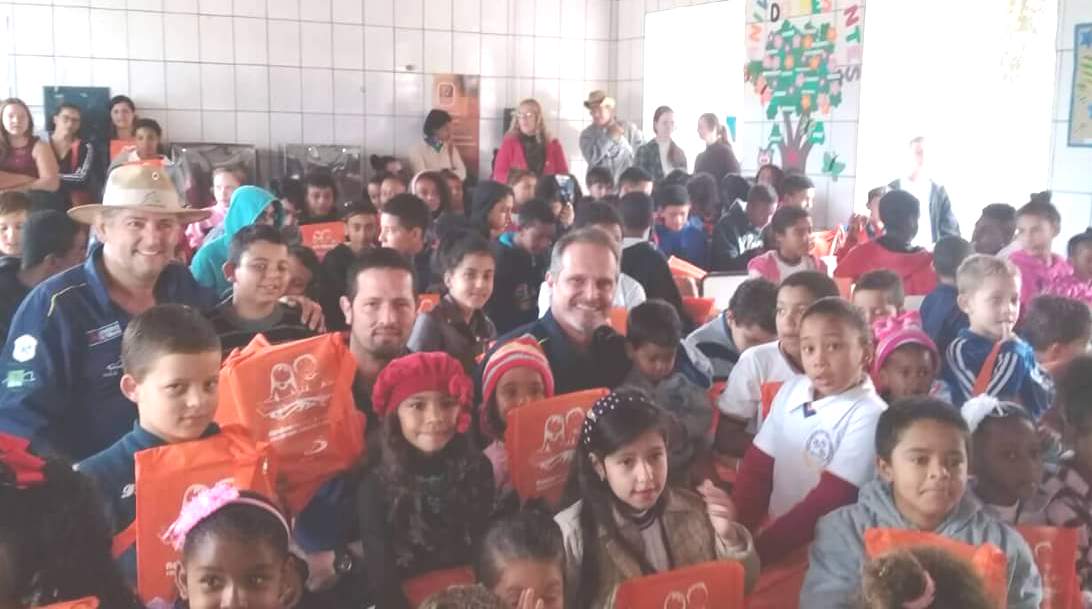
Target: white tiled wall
{"type": "Point", "coordinates": [1071, 167]}
{"type": "Point", "coordinates": [269, 72]}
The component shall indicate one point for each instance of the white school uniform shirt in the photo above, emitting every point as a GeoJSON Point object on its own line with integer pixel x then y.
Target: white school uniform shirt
{"type": "Point", "coordinates": [742, 396]}
{"type": "Point", "coordinates": [806, 437]}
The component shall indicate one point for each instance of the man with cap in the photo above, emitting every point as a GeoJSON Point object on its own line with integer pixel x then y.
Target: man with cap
{"type": "Point", "coordinates": [61, 363]}
{"type": "Point", "coordinates": [52, 242]}
{"type": "Point", "coordinates": [608, 142]}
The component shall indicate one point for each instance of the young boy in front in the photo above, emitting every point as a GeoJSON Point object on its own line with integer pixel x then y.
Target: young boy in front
{"type": "Point", "coordinates": [941, 317]}
{"type": "Point", "coordinates": [989, 293]}
{"type": "Point", "coordinates": [899, 211]}
{"type": "Point", "coordinates": [920, 448]}
{"type": "Point", "coordinates": [879, 294]}
{"type": "Point", "coordinates": [762, 369]}
{"type": "Point", "coordinates": [653, 331]}
{"type": "Point", "coordinates": [257, 268]}
{"type": "Point", "coordinates": [749, 320]}
{"type": "Point", "coordinates": [170, 357]}
{"type": "Point", "coordinates": [14, 208]}
{"type": "Point", "coordinates": [675, 234]}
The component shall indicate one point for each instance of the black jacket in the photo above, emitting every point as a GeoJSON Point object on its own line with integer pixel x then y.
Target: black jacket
{"type": "Point", "coordinates": [647, 265]}
{"type": "Point", "coordinates": [735, 240]}
{"type": "Point", "coordinates": [718, 160]}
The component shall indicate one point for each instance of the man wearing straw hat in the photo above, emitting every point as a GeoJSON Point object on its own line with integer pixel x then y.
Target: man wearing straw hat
{"type": "Point", "coordinates": [61, 365]}
{"type": "Point", "coordinates": [608, 142]}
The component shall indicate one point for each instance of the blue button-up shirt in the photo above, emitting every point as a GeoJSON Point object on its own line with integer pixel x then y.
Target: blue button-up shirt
{"type": "Point", "coordinates": [61, 364]}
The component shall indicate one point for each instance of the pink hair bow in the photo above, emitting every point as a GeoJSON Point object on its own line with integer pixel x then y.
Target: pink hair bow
{"type": "Point", "coordinates": [884, 326]}
{"type": "Point", "coordinates": [197, 508]}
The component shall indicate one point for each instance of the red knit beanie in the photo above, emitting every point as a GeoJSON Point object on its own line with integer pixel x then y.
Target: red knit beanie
{"type": "Point", "coordinates": [419, 372]}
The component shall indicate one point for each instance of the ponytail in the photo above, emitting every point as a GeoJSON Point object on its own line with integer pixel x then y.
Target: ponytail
{"type": "Point", "coordinates": [712, 122]}
{"type": "Point", "coordinates": [722, 134]}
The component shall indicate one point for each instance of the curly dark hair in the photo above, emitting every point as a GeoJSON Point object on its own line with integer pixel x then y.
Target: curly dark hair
{"type": "Point", "coordinates": [55, 542]}
{"type": "Point", "coordinates": [410, 531]}
{"type": "Point", "coordinates": [896, 578]}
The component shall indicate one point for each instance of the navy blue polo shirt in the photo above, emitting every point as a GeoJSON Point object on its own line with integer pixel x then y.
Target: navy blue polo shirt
{"type": "Point", "coordinates": [61, 364]}
{"type": "Point", "coordinates": [573, 370]}
{"type": "Point", "coordinates": [114, 473]}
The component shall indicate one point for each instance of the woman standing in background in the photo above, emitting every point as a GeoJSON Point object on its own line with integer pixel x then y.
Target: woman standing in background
{"type": "Point", "coordinates": [718, 159]}
{"type": "Point", "coordinates": [661, 155]}
{"type": "Point", "coordinates": [529, 145]}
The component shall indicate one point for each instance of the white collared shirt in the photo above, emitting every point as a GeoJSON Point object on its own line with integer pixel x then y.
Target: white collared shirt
{"type": "Point", "coordinates": [742, 396]}
{"type": "Point", "coordinates": [805, 437]}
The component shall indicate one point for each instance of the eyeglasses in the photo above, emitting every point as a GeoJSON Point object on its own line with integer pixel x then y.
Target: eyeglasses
{"type": "Point", "coordinates": [527, 115]}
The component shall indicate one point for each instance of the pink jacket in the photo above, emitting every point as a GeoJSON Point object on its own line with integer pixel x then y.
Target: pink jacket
{"type": "Point", "coordinates": [1034, 274]}
{"type": "Point", "coordinates": [765, 266]}
{"type": "Point", "coordinates": [511, 156]}
{"type": "Point", "coordinates": [1061, 281]}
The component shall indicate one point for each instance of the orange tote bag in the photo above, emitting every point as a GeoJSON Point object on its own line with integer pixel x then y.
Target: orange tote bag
{"type": "Point", "coordinates": [1055, 553]}
{"type": "Point", "coordinates": [709, 585]}
{"type": "Point", "coordinates": [167, 476]}
{"type": "Point", "coordinates": [298, 397]}
{"type": "Point", "coordinates": [540, 440]}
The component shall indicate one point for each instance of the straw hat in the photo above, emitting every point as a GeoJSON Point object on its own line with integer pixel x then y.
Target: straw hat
{"type": "Point", "coordinates": [140, 186]}
{"type": "Point", "coordinates": [598, 98]}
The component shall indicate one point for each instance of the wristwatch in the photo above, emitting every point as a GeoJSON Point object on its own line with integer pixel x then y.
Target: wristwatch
{"type": "Point", "coordinates": [343, 561]}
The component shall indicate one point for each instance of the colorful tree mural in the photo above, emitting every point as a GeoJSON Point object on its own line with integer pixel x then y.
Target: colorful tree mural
{"type": "Point", "coordinates": [798, 79]}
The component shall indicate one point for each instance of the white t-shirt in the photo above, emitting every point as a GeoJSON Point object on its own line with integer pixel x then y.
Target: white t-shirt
{"type": "Point", "coordinates": [742, 396]}
{"type": "Point", "coordinates": [627, 294]}
{"type": "Point", "coordinates": [665, 156]}
{"type": "Point", "coordinates": [806, 437]}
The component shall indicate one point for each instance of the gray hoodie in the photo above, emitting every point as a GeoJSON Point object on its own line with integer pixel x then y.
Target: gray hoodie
{"type": "Point", "coordinates": [837, 554]}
